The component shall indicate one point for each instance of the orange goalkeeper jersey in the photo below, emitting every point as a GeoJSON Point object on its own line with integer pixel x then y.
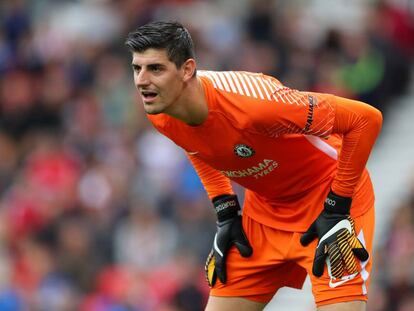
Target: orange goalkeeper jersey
{"type": "Point", "coordinates": [282, 145]}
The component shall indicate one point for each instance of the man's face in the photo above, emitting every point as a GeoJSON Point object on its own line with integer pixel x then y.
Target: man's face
{"type": "Point", "coordinates": [158, 80]}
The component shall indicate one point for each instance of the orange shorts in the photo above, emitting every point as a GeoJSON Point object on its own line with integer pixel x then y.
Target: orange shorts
{"type": "Point", "coordinates": [280, 260]}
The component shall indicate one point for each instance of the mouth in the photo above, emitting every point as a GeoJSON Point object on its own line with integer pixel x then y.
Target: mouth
{"type": "Point", "coordinates": [148, 96]}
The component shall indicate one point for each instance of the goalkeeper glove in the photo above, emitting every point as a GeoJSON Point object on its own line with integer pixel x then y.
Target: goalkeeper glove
{"type": "Point", "coordinates": [229, 232]}
{"type": "Point", "coordinates": [338, 244]}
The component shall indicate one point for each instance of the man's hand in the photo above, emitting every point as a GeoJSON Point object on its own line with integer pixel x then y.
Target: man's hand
{"type": "Point", "coordinates": [338, 244]}
{"type": "Point", "coordinates": [229, 232]}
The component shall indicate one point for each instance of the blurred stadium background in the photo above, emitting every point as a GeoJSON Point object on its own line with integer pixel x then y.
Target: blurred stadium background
{"type": "Point", "coordinates": [99, 213]}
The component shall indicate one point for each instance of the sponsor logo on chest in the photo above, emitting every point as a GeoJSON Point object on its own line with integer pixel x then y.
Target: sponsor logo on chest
{"type": "Point", "coordinates": [257, 171]}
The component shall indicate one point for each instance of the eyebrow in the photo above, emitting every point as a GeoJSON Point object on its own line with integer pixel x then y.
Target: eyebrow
{"type": "Point", "coordinates": [149, 65]}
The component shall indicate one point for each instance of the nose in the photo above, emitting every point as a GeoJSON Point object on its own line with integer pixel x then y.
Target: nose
{"type": "Point", "coordinates": [141, 79]}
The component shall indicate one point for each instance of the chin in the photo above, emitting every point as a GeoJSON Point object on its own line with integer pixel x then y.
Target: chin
{"type": "Point", "coordinates": [152, 110]}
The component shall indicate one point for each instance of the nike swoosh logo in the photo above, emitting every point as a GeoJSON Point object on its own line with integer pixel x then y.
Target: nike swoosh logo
{"type": "Point", "coordinates": [218, 250]}
{"type": "Point", "coordinates": [343, 280]}
{"type": "Point", "coordinates": [340, 281]}
{"type": "Point", "coordinates": [192, 152]}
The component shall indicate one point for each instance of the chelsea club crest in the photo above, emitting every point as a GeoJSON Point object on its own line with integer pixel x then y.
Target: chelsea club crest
{"type": "Point", "coordinates": [243, 151]}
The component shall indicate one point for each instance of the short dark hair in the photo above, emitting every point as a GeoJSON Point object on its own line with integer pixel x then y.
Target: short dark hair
{"type": "Point", "coordinates": [171, 36]}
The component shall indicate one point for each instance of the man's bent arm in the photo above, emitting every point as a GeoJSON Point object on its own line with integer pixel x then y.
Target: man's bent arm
{"type": "Point", "coordinates": [214, 182]}
{"type": "Point", "coordinates": [360, 125]}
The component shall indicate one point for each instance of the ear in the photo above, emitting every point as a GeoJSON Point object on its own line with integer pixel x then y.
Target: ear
{"type": "Point", "coordinates": [189, 68]}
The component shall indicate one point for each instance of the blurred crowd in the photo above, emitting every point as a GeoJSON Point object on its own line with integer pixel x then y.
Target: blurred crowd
{"type": "Point", "coordinates": [394, 272]}
{"type": "Point", "coordinates": [99, 212]}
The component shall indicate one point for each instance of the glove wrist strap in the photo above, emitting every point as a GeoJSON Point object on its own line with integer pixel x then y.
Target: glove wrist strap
{"type": "Point", "coordinates": [336, 204]}
{"type": "Point", "coordinates": [226, 207]}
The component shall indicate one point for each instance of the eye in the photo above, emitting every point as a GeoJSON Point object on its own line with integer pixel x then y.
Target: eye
{"type": "Point", "coordinates": [136, 68]}
{"type": "Point", "coordinates": [156, 68]}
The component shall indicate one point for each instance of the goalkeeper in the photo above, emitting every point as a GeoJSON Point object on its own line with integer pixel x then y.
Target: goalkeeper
{"type": "Point", "coordinates": [309, 203]}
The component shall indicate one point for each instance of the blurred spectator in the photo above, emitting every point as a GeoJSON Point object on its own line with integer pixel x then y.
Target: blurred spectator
{"type": "Point", "coordinates": [143, 239]}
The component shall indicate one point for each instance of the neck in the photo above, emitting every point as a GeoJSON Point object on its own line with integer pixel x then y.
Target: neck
{"type": "Point", "coordinates": [191, 106]}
